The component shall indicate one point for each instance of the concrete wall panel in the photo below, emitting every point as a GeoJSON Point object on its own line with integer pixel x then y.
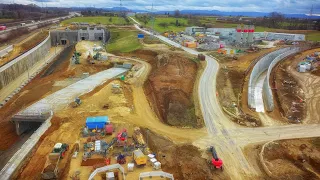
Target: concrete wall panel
{"type": "Point", "coordinates": [21, 64]}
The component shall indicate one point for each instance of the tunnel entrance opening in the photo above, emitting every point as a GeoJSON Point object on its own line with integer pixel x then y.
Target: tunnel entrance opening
{"type": "Point", "coordinates": [63, 41]}
{"type": "Point", "coordinates": [83, 38]}
{"type": "Point", "coordinates": [100, 38]}
{"type": "Point", "coordinates": [28, 122]}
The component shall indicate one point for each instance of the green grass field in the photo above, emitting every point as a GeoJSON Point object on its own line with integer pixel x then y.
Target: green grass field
{"type": "Point", "coordinates": [97, 19]}
{"type": "Point", "coordinates": [123, 41]}
{"type": "Point", "coordinates": [313, 36]}
{"type": "Point", "coordinates": [171, 27]}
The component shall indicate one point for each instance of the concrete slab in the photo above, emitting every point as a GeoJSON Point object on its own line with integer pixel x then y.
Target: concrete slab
{"type": "Point", "coordinates": [64, 97]}
{"type": "Point", "coordinates": [258, 98]}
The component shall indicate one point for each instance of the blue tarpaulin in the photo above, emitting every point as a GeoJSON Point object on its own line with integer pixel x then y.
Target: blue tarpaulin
{"type": "Point", "coordinates": [97, 122]}
{"type": "Point", "coordinates": [140, 36]}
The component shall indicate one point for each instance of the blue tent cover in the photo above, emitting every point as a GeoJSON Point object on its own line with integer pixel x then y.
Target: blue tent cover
{"type": "Point", "coordinates": [97, 122]}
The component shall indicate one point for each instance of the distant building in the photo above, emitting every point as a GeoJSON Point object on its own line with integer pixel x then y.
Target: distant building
{"type": "Point", "coordinates": [194, 29]}
{"type": "Point", "coordinates": [226, 32]}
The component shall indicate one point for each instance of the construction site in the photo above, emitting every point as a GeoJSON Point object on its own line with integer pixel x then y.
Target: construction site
{"type": "Point", "coordinates": [206, 103]}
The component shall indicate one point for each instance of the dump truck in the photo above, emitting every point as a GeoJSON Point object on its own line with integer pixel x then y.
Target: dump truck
{"type": "Point", "coordinates": [137, 137]}
{"type": "Point", "coordinates": [51, 170]}
{"type": "Point", "coordinates": [139, 158]}
{"type": "Point", "coordinates": [215, 162]}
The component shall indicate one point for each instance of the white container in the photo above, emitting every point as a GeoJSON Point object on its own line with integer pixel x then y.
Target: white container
{"type": "Point", "coordinates": [153, 160]}
{"type": "Point", "coordinates": [157, 165]}
{"type": "Point", "coordinates": [150, 156]}
{"type": "Point", "coordinates": [130, 166]}
{"type": "Point", "coordinates": [302, 68]}
{"type": "Point", "coordinates": [110, 176]}
{"type": "Point", "coordinates": [97, 146]}
{"type": "Point", "coordinates": [308, 66]}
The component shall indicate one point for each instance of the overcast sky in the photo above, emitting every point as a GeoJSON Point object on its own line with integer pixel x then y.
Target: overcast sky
{"type": "Point", "coordinates": [284, 6]}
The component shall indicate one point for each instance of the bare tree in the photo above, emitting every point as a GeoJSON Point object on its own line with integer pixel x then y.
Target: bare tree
{"type": "Point", "coordinates": [177, 13]}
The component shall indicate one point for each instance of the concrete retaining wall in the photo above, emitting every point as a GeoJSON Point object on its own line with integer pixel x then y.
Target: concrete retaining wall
{"type": "Point", "coordinates": [6, 50]}
{"type": "Point", "coordinates": [15, 162]}
{"type": "Point", "coordinates": [261, 66]}
{"type": "Point", "coordinates": [267, 91]}
{"type": "Point", "coordinates": [21, 64]}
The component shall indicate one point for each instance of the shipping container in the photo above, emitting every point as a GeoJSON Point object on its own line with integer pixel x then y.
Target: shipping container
{"type": "Point", "coordinates": [97, 122]}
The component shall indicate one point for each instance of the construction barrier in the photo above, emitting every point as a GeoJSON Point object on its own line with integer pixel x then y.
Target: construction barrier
{"type": "Point", "coordinates": [155, 174]}
{"type": "Point", "coordinates": [107, 168]}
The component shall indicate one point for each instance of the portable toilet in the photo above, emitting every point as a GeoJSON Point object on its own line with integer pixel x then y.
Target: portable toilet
{"type": "Point", "coordinates": [97, 122]}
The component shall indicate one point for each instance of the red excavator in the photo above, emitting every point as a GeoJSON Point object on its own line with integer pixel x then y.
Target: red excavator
{"type": "Point", "coordinates": [215, 162]}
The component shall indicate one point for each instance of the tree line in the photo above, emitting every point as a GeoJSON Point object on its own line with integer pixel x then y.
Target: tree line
{"type": "Point", "coordinates": [28, 12]}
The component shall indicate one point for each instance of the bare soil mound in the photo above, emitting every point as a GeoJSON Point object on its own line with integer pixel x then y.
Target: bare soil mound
{"type": "Point", "coordinates": [183, 161]}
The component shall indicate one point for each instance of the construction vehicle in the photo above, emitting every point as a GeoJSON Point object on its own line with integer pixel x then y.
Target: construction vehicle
{"type": "Point", "coordinates": [97, 56]}
{"type": "Point", "coordinates": [50, 170]}
{"type": "Point", "coordinates": [121, 159]}
{"type": "Point", "coordinates": [77, 101]}
{"type": "Point", "coordinates": [139, 158]}
{"type": "Point", "coordinates": [122, 137]}
{"type": "Point", "coordinates": [137, 137]}
{"type": "Point", "coordinates": [215, 162]}
{"type": "Point", "coordinates": [76, 56]}
{"type": "Point", "coordinates": [2, 28]}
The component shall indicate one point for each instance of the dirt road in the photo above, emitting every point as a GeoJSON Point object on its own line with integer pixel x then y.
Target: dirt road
{"type": "Point", "coordinates": [223, 133]}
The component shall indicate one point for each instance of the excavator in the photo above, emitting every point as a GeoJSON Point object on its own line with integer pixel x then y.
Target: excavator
{"type": "Point", "coordinates": [215, 162]}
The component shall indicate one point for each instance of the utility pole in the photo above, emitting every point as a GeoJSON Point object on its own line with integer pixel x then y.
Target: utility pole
{"type": "Point", "coordinates": [310, 17]}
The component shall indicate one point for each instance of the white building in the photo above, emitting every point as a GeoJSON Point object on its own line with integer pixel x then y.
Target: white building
{"type": "Point", "coordinates": [194, 29]}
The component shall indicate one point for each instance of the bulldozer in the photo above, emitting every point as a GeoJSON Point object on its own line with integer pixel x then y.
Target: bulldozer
{"type": "Point", "coordinates": [215, 162]}
{"type": "Point", "coordinates": [51, 170]}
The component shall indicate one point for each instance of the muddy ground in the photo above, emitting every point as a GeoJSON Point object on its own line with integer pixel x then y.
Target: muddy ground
{"type": "Point", "coordinates": [169, 87]}
{"type": "Point", "coordinates": [232, 86]}
{"type": "Point", "coordinates": [288, 93]}
{"type": "Point", "coordinates": [59, 74]}
{"type": "Point", "coordinates": [294, 159]}
{"type": "Point", "coordinates": [184, 161]}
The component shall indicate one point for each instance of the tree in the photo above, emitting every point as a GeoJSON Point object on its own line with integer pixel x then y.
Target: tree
{"type": "Point", "coordinates": [176, 13]}
{"type": "Point", "coordinates": [177, 22]}
{"type": "Point", "coordinates": [110, 19]}
{"type": "Point", "coordinates": [276, 19]}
